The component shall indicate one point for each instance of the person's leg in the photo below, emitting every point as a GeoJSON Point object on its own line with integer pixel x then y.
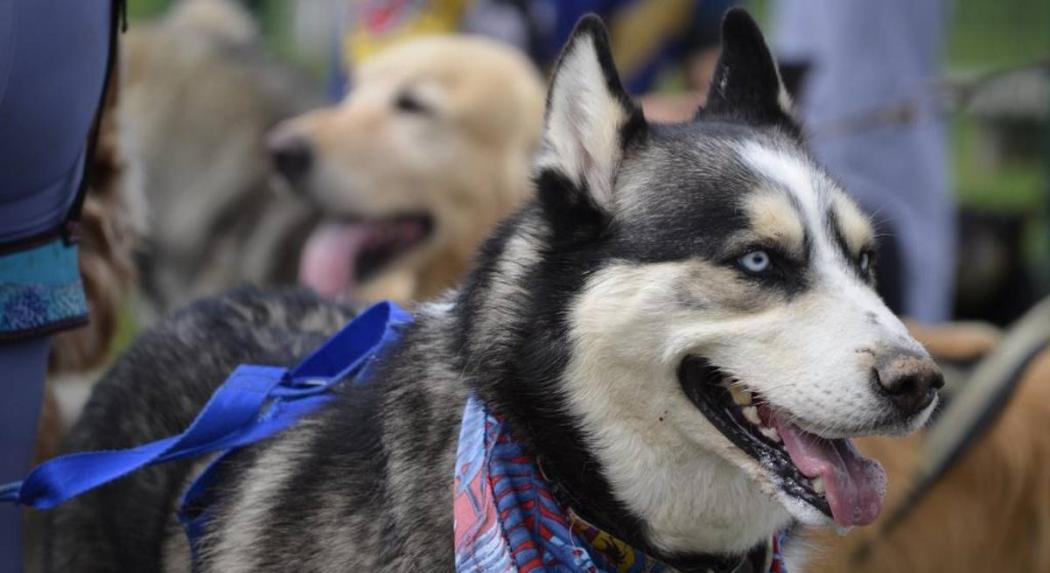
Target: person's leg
{"type": "Point", "coordinates": [23, 365]}
{"type": "Point", "coordinates": [53, 64]}
{"type": "Point", "coordinates": [880, 132]}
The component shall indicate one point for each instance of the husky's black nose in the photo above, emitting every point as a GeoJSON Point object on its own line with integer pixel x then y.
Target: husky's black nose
{"type": "Point", "coordinates": [909, 380]}
{"type": "Point", "coordinates": [291, 153]}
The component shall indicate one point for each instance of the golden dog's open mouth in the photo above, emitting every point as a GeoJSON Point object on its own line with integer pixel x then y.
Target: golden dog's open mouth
{"type": "Point", "coordinates": [828, 474]}
{"type": "Point", "coordinates": [342, 254]}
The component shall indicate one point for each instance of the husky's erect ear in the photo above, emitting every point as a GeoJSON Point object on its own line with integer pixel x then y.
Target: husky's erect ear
{"type": "Point", "coordinates": [746, 85]}
{"type": "Point", "coordinates": [590, 120]}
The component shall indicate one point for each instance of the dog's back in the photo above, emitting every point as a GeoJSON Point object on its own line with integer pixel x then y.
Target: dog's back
{"type": "Point", "coordinates": [158, 388]}
{"type": "Point", "coordinates": [350, 488]}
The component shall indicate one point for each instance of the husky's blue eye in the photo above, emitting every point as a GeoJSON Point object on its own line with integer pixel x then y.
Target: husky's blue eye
{"type": "Point", "coordinates": [756, 262]}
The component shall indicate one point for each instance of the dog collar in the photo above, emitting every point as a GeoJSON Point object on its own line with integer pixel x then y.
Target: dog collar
{"type": "Point", "coordinates": [507, 520]}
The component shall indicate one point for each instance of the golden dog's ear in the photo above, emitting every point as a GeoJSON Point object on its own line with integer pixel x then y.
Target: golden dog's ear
{"type": "Point", "coordinates": [590, 118]}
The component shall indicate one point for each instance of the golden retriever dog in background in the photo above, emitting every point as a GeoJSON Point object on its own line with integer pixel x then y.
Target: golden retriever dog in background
{"type": "Point", "coordinates": [430, 149]}
{"type": "Point", "coordinates": [413, 169]}
{"type": "Point", "coordinates": [989, 512]}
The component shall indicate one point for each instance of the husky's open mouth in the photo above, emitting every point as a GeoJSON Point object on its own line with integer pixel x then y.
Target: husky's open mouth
{"type": "Point", "coordinates": [828, 474]}
{"type": "Point", "coordinates": [341, 254]}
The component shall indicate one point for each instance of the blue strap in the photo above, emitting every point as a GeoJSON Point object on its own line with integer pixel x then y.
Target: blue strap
{"type": "Point", "coordinates": [253, 403]}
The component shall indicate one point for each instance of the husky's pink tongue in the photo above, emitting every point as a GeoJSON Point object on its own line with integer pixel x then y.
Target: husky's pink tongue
{"type": "Point", "coordinates": [855, 484]}
{"type": "Point", "coordinates": [327, 261]}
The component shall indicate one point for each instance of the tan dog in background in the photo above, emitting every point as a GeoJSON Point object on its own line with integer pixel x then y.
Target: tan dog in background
{"type": "Point", "coordinates": [990, 512]}
{"type": "Point", "coordinates": [431, 148]}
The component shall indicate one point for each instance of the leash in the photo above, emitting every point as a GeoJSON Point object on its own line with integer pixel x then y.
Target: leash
{"type": "Point", "coordinates": [253, 403]}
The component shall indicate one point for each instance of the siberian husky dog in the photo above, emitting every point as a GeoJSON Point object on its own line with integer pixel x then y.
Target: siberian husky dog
{"type": "Point", "coordinates": [681, 326]}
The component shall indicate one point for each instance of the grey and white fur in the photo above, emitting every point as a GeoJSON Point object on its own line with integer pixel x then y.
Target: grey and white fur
{"type": "Point", "coordinates": [655, 262]}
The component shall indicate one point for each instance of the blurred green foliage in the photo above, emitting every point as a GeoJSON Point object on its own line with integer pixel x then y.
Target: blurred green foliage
{"type": "Point", "coordinates": [145, 9]}
{"type": "Point", "coordinates": [991, 33]}
{"type": "Point", "coordinates": [988, 35]}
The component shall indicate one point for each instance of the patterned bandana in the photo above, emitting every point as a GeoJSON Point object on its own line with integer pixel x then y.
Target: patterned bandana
{"type": "Point", "coordinates": [508, 521]}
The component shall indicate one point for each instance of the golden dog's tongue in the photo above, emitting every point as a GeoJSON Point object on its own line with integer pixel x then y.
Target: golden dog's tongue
{"type": "Point", "coordinates": [328, 259]}
{"type": "Point", "coordinates": [855, 484]}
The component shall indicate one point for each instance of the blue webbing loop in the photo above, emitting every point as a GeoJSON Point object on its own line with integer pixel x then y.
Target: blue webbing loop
{"type": "Point", "coordinates": [253, 403]}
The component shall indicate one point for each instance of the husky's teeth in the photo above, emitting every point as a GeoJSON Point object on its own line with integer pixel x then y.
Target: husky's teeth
{"type": "Point", "coordinates": [770, 433]}
{"type": "Point", "coordinates": [751, 414]}
{"type": "Point", "coordinates": [818, 485]}
{"type": "Point", "coordinates": [741, 396]}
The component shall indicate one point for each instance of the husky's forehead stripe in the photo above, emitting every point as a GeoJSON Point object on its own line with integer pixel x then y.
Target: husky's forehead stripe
{"type": "Point", "coordinates": [775, 218]}
{"type": "Point", "coordinates": [821, 203]}
{"type": "Point", "coordinates": [793, 172]}
{"type": "Point", "coordinates": [855, 227]}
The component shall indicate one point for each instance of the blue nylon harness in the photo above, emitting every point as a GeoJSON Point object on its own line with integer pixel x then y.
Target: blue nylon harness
{"type": "Point", "coordinates": [253, 403]}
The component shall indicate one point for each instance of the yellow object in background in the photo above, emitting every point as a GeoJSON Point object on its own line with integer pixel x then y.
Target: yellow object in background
{"type": "Point", "coordinates": [375, 24]}
{"type": "Point", "coordinates": [640, 30]}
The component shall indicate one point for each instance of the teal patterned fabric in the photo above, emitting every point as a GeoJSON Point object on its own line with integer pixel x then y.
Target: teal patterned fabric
{"type": "Point", "coordinates": [40, 290]}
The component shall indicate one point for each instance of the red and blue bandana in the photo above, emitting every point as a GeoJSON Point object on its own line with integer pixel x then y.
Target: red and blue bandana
{"type": "Point", "coordinates": [508, 521]}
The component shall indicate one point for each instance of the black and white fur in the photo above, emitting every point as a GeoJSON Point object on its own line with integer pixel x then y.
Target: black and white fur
{"type": "Point", "coordinates": [573, 326]}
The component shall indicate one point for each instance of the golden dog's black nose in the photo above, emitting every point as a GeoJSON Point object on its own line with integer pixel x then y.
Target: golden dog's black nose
{"type": "Point", "coordinates": [291, 153]}
{"type": "Point", "coordinates": [909, 380]}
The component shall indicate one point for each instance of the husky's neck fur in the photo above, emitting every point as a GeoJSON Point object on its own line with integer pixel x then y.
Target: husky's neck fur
{"type": "Point", "coordinates": [516, 348]}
